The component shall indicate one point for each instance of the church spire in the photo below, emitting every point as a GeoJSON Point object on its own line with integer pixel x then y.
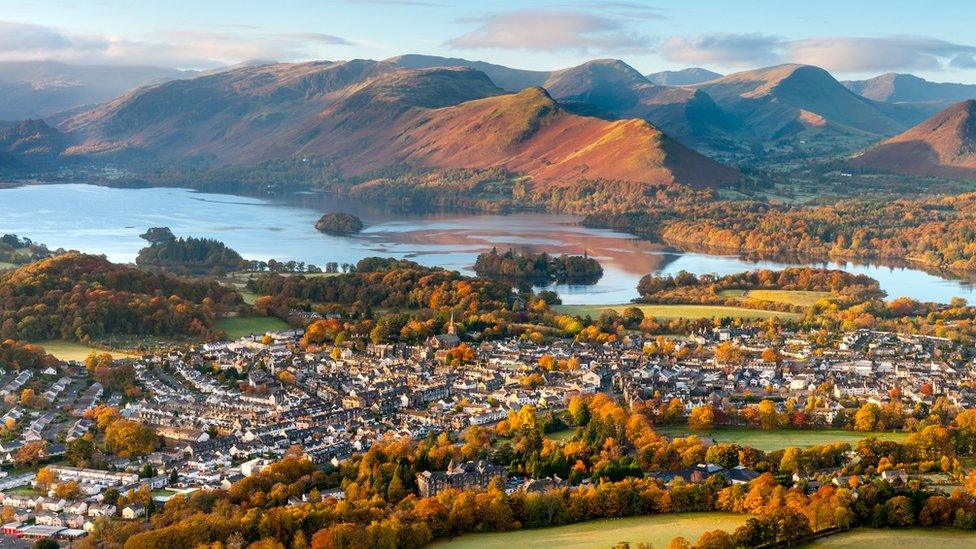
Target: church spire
{"type": "Point", "coordinates": [451, 329]}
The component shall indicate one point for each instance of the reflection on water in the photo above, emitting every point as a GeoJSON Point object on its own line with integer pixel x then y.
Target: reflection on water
{"type": "Point", "coordinates": [109, 221]}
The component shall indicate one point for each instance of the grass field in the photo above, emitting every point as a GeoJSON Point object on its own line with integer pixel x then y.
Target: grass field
{"type": "Point", "coordinates": [930, 538]}
{"type": "Point", "coordinates": [71, 350]}
{"type": "Point", "coordinates": [768, 441]}
{"type": "Point", "coordinates": [562, 436]}
{"type": "Point", "coordinates": [801, 298]}
{"type": "Point", "coordinates": [676, 311]}
{"type": "Point", "coordinates": [658, 530]}
{"type": "Point", "coordinates": [240, 326]}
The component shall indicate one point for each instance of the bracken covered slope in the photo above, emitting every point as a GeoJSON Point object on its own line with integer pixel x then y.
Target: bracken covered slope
{"type": "Point", "coordinates": [942, 146]}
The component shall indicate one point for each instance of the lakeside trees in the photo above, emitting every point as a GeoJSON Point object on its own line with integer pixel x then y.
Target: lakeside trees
{"type": "Point", "coordinates": [538, 269]}
{"type": "Point", "coordinates": [187, 255]}
{"type": "Point", "coordinates": [936, 232]}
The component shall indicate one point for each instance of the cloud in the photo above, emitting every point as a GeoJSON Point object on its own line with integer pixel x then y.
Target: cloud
{"type": "Point", "coordinates": [633, 10]}
{"type": "Point", "coordinates": [551, 31]}
{"type": "Point", "coordinates": [876, 54]}
{"type": "Point", "coordinates": [729, 50]}
{"type": "Point", "coordinates": [964, 61]}
{"type": "Point", "coordinates": [840, 54]}
{"type": "Point", "coordinates": [184, 48]}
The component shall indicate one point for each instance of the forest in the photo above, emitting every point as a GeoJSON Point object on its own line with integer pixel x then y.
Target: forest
{"type": "Point", "coordinates": [538, 269]}
{"type": "Point", "coordinates": [938, 233]}
{"type": "Point", "coordinates": [82, 297]}
{"type": "Point", "coordinates": [189, 255]}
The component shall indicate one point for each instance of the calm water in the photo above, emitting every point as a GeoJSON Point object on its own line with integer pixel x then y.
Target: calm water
{"type": "Point", "coordinates": [109, 221]}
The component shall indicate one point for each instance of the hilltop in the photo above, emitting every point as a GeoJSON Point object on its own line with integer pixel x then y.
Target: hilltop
{"type": "Point", "coordinates": [786, 100]}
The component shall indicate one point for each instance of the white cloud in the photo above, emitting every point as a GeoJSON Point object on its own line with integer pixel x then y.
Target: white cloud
{"type": "Point", "coordinates": [178, 48]}
{"type": "Point", "coordinates": [729, 50]}
{"type": "Point", "coordinates": [551, 31]}
{"type": "Point", "coordinates": [839, 54]}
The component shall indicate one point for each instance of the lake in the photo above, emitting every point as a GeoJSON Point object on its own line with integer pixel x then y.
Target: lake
{"type": "Point", "coordinates": [109, 221]}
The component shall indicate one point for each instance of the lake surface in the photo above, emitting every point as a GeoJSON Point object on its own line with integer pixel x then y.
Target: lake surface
{"type": "Point", "coordinates": [109, 221]}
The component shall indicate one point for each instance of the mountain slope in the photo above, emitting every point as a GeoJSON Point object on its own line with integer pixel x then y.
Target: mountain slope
{"type": "Point", "coordinates": [530, 133]}
{"type": "Point", "coordinates": [507, 78]}
{"type": "Point", "coordinates": [908, 88]}
{"type": "Point", "coordinates": [684, 77]}
{"type": "Point", "coordinates": [368, 115]}
{"type": "Point", "coordinates": [787, 100]}
{"type": "Point", "coordinates": [246, 113]}
{"type": "Point", "coordinates": [942, 146]}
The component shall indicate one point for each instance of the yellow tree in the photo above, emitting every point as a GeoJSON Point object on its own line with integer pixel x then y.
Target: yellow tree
{"type": "Point", "coordinates": [702, 418]}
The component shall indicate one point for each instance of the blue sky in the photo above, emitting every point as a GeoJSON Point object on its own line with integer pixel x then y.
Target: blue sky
{"type": "Point", "coordinates": [851, 38]}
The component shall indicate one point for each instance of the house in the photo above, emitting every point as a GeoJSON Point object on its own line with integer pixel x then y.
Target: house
{"type": "Point", "coordinates": [131, 512]}
{"type": "Point", "coordinates": [470, 474]}
{"type": "Point", "coordinates": [100, 510]}
{"type": "Point", "coordinates": [892, 475]}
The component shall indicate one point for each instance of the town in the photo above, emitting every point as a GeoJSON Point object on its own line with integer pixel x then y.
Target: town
{"type": "Point", "coordinates": [221, 412]}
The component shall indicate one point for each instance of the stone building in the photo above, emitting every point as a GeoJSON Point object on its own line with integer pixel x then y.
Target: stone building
{"type": "Point", "coordinates": [470, 474]}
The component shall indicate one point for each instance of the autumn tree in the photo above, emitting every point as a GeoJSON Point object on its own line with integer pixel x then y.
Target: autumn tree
{"type": "Point", "coordinates": [127, 438]}
{"type": "Point", "coordinates": [702, 418]}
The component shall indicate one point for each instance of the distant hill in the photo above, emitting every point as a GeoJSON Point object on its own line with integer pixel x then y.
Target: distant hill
{"type": "Point", "coordinates": [788, 100]}
{"type": "Point", "coordinates": [942, 146]}
{"type": "Point", "coordinates": [38, 89]}
{"type": "Point", "coordinates": [684, 77]}
{"type": "Point", "coordinates": [615, 88]}
{"type": "Point", "coordinates": [908, 88]}
{"type": "Point", "coordinates": [506, 78]}
{"type": "Point", "coordinates": [369, 115]}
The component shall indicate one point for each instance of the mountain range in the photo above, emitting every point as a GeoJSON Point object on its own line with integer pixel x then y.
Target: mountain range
{"type": "Point", "coordinates": [367, 115]}
{"type": "Point", "coordinates": [908, 88]}
{"type": "Point", "coordinates": [599, 120]}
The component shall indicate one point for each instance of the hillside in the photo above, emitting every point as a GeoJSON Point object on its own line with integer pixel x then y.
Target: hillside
{"type": "Point", "coordinates": [942, 146]}
{"type": "Point", "coordinates": [530, 133]}
{"type": "Point", "coordinates": [78, 296]}
{"type": "Point", "coordinates": [684, 77]}
{"type": "Point", "coordinates": [788, 100]}
{"type": "Point", "coordinates": [908, 88]}
{"type": "Point", "coordinates": [366, 115]}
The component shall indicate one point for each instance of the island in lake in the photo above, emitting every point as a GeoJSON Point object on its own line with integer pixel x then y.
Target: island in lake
{"type": "Point", "coordinates": [339, 224]}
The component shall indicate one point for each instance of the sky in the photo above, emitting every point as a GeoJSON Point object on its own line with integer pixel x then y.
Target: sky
{"type": "Point", "coordinates": [851, 38]}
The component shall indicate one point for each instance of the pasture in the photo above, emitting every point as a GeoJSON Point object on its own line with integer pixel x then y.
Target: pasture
{"type": "Point", "coordinates": [657, 530]}
{"type": "Point", "coordinates": [769, 441]}
{"type": "Point", "coordinates": [668, 311]}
